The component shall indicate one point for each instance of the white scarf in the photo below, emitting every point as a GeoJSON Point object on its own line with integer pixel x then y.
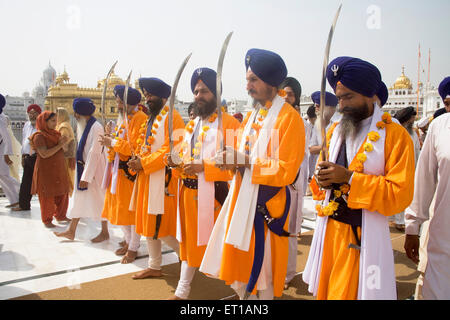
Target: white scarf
{"type": "Point", "coordinates": [376, 268]}
{"type": "Point", "coordinates": [157, 179]}
{"type": "Point", "coordinates": [241, 224]}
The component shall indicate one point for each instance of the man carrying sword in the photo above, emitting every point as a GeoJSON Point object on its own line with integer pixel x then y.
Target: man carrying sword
{"type": "Point", "coordinates": [368, 176]}
{"type": "Point", "coordinates": [204, 186]}
{"type": "Point", "coordinates": [155, 191]}
{"type": "Point", "coordinates": [118, 180]}
{"type": "Point", "coordinates": [248, 247]}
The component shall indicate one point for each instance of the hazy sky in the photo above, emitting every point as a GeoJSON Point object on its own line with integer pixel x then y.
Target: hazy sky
{"type": "Point", "coordinates": [153, 37]}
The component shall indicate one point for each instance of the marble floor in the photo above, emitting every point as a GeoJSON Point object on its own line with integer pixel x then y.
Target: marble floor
{"type": "Point", "coordinates": [33, 259]}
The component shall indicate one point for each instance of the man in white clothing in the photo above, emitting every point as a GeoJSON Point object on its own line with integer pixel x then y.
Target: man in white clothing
{"type": "Point", "coordinates": [88, 198]}
{"type": "Point", "coordinates": [431, 181]}
{"type": "Point", "coordinates": [9, 185]}
{"type": "Point", "coordinates": [406, 117]}
{"type": "Point", "coordinates": [28, 159]}
{"type": "Point", "coordinates": [297, 188]}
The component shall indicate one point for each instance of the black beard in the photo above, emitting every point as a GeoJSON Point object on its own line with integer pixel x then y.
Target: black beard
{"type": "Point", "coordinates": [207, 109]}
{"type": "Point", "coordinates": [154, 107]}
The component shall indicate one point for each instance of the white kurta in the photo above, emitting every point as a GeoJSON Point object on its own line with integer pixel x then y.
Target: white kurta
{"type": "Point", "coordinates": [89, 203]}
{"type": "Point", "coordinates": [297, 192]}
{"type": "Point", "coordinates": [432, 176]}
{"type": "Point", "coordinates": [10, 186]}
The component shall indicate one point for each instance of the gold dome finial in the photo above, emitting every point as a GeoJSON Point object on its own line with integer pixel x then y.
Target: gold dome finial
{"type": "Point", "coordinates": [403, 81]}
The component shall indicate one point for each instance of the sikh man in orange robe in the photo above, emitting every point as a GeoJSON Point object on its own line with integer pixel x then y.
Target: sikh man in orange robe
{"type": "Point", "coordinates": [155, 190]}
{"type": "Point", "coordinates": [368, 176]}
{"type": "Point", "coordinates": [248, 247]}
{"type": "Point", "coordinates": [204, 186]}
{"type": "Point", "coordinates": [118, 180]}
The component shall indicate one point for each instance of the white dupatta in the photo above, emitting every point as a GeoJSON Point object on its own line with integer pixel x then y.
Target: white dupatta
{"type": "Point", "coordinates": [241, 224]}
{"type": "Point", "coordinates": [376, 268]}
{"type": "Point", "coordinates": [206, 191]}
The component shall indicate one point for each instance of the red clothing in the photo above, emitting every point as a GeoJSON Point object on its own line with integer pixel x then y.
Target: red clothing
{"type": "Point", "coordinates": [53, 207]}
{"type": "Point", "coordinates": [50, 178]}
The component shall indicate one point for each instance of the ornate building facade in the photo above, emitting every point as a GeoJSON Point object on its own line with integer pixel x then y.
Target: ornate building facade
{"type": "Point", "coordinates": [63, 92]}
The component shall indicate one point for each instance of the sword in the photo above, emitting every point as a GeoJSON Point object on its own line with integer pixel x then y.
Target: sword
{"type": "Point", "coordinates": [105, 86]}
{"type": "Point", "coordinates": [323, 85]}
{"type": "Point", "coordinates": [125, 111]}
{"type": "Point", "coordinates": [175, 157]}
{"type": "Point", "coordinates": [219, 92]}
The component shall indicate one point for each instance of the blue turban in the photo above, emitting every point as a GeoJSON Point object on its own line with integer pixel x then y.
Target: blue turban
{"type": "Point", "coordinates": [156, 87]}
{"type": "Point", "coordinates": [2, 103]}
{"type": "Point", "coordinates": [330, 99]}
{"type": "Point", "coordinates": [356, 74]}
{"type": "Point", "coordinates": [444, 88]}
{"type": "Point", "coordinates": [208, 76]}
{"type": "Point", "coordinates": [83, 106]}
{"type": "Point", "coordinates": [134, 96]}
{"type": "Point", "coordinates": [267, 65]}
{"type": "Point", "coordinates": [383, 93]}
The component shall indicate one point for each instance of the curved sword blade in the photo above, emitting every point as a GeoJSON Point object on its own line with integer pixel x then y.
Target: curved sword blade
{"type": "Point", "coordinates": [105, 87]}
{"type": "Point", "coordinates": [125, 109]}
{"type": "Point", "coordinates": [323, 84]}
{"type": "Point", "coordinates": [219, 88]}
{"type": "Point", "coordinates": [172, 100]}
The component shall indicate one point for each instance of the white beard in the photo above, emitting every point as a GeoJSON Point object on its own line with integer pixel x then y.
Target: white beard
{"type": "Point", "coordinates": [81, 125]}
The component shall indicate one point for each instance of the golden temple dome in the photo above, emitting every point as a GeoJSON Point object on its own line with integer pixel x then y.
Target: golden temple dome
{"type": "Point", "coordinates": [62, 78]}
{"type": "Point", "coordinates": [113, 81]}
{"type": "Point", "coordinates": [403, 81]}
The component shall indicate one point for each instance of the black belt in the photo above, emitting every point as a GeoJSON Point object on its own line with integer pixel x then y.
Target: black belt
{"type": "Point", "coordinates": [124, 166]}
{"type": "Point", "coordinates": [352, 217]}
{"type": "Point", "coordinates": [220, 188]}
{"type": "Point", "coordinates": [190, 183]}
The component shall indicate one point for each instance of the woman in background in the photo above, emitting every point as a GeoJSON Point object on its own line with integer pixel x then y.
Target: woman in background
{"type": "Point", "coordinates": [64, 127]}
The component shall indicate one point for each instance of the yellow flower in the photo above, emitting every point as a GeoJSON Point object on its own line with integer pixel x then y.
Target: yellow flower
{"type": "Point", "coordinates": [139, 141]}
{"type": "Point", "coordinates": [163, 112]}
{"type": "Point", "coordinates": [268, 104]}
{"type": "Point", "coordinates": [195, 151]}
{"type": "Point", "coordinates": [368, 147]}
{"type": "Point", "coordinates": [345, 188]}
{"type": "Point", "coordinates": [386, 117]}
{"type": "Point", "coordinates": [361, 157]}
{"type": "Point", "coordinates": [166, 108]}
{"type": "Point", "coordinates": [337, 193]}
{"type": "Point", "coordinates": [373, 136]}
{"type": "Point", "coordinates": [263, 112]}
{"type": "Point", "coordinates": [359, 167]}
{"type": "Point", "coordinates": [198, 145]}
{"type": "Point", "coordinates": [333, 205]}
{"type": "Point", "coordinates": [158, 117]}
{"type": "Point", "coordinates": [205, 128]}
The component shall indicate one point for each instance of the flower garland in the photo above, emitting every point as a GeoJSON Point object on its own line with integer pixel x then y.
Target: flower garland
{"type": "Point", "coordinates": [142, 147]}
{"type": "Point", "coordinates": [200, 139]}
{"type": "Point", "coordinates": [361, 158]}
{"type": "Point", "coordinates": [259, 120]}
{"type": "Point", "coordinates": [116, 135]}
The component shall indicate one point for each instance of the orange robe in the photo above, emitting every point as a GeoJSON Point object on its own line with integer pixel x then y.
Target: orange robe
{"type": "Point", "coordinates": [116, 207]}
{"type": "Point", "coordinates": [145, 222]}
{"type": "Point", "coordinates": [388, 195]}
{"type": "Point", "coordinates": [189, 251]}
{"type": "Point", "coordinates": [236, 265]}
